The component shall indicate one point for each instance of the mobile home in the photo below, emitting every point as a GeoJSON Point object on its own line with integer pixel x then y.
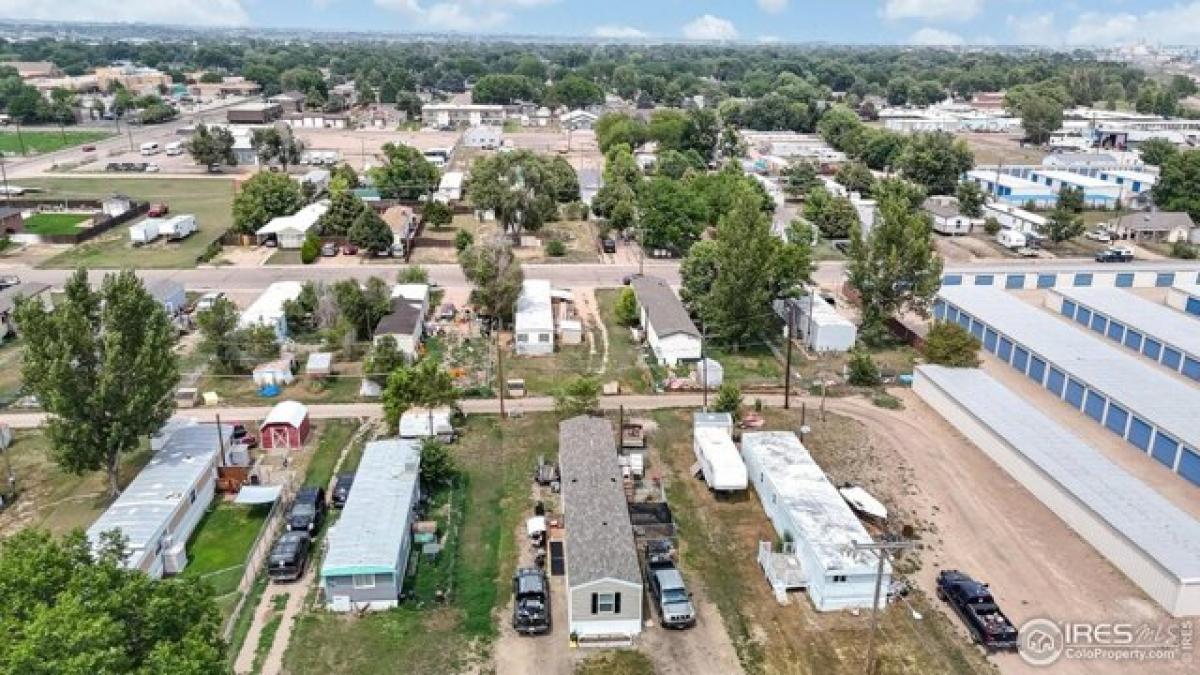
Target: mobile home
{"type": "Point", "coordinates": [718, 457]}
{"type": "Point", "coordinates": [669, 330]}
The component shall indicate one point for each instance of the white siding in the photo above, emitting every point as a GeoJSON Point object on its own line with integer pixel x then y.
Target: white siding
{"type": "Point", "coordinates": [673, 348]}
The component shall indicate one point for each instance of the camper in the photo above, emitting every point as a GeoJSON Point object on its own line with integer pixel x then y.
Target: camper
{"type": "Point", "coordinates": [174, 148]}
{"type": "Point", "coordinates": [178, 227]}
{"type": "Point", "coordinates": [150, 148]}
{"type": "Point", "coordinates": [144, 232]}
{"type": "Point", "coordinates": [716, 455]}
{"type": "Point", "coordinates": [1010, 239]}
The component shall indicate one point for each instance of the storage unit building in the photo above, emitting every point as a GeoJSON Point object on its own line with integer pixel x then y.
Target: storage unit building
{"type": "Point", "coordinates": [1152, 410]}
{"type": "Point", "coordinates": [1021, 275]}
{"type": "Point", "coordinates": [1011, 189]}
{"type": "Point", "coordinates": [719, 460]}
{"type": "Point", "coordinates": [669, 330]}
{"type": "Point", "coordinates": [604, 584]}
{"type": "Point", "coordinates": [1153, 330]}
{"type": "Point", "coordinates": [369, 544]}
{"type": "Point", "coordinates": [1153, 542]}
{"type": "Point", "coordinates": [807, 509]}
{"type": "Point", "coordinates": [286, 426]}
{"type": "Point", "coordinates": [1096, 192]}
{"type": "Point", "coordinates": [1185, 297]}
{"type": "Point", "coordinates": [161, 507]}
{"type": "Point", "coordinates": [267, 309]}
{"type": "Point", "coordinates": [534, 324]}
{"type": "Point", "coordinates": [817, 324]}
{"type": "Point", "coordinates": [1134, 182]}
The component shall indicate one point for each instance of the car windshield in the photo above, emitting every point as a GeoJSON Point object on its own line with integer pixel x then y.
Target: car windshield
{"type": "Point", "coordinates": [303, 510]}
{"type": "Point", "coordinates": [674, 595]}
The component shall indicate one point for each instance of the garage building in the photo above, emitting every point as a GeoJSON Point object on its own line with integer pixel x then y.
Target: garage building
{"type": "Point", "coordinates": [1152, 410]}
{"type": "Point", "coordinates": [1055, 274]}
{"type": "Point", "coordinates": [1153, 542]}
{"type": "Point", "coordinates": [1185, 297]}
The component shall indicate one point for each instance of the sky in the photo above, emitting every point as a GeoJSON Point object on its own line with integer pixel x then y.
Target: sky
{"type": "Point", "coordinates": [940, 22]}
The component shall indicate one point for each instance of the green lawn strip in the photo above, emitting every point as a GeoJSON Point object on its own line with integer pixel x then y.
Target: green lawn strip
{"type": "Point", "coordinates": [616, 662]}
{"type": "Point", "coordinates": [46, 141]}
{"type": "Point", "coordinates": [334, 435]}
{"type": "Point", "coordinates": [221, 543]}
{"type": "Point", "coordinates": [241, 390]}
{"type": "Point", "coordinates": [241, 623]}
{"type": "Point", "coordinates": [55, 223]}
{"type": "Point", "coordinates": [624, 354]}
{"type": "Point", "coordinates": [430, 576]}
{"type": "Point", "coordinates": [753, 365]}
{"type": "Point", "coordinates": [267, 637]}
{"type": "Point", "coordinates": [11, 352]}
{"type": "Point", "coordinates": [544, 374]}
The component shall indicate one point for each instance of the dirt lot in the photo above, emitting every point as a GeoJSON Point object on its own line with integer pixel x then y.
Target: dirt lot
{"type": "Point", "coordinates": [1001, 148]}
{"type": "Point", "coordinates": [436, 246]}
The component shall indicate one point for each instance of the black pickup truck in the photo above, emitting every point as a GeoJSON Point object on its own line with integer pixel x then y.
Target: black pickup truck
{"type": "Point", "coordinates": [531, 606]}
{"type": "Point", "coordinates": [977, 608]}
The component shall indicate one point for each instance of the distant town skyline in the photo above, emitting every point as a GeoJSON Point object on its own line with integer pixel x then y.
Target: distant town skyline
{"type": "Point", "coordinates": [931, 22]}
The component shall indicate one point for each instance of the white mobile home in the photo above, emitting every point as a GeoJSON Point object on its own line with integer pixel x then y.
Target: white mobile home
{"type": "Point", "coordinates": [267, 309]}
{"type": "Point", "coordinates": [1011, 239]}
{"type": "Point", "coordinates": [405, 324]}
{"type": "Point", "coordinates": [158, 510]}
{"type": "Point", "coordinates": [1014, 217]}
{"type": "Point", "coordinates": [369, 544]}
{"type": "Point", "coordinates": [450, 187]}
{"type": "Point", "coordinates": [807, 509]}
{"type": "Point", "coordinates": [718, 457]}
{"type": "Point", "coordinates": [946, 217]}
{"type": "Point", "coordinates": [534, 324]}
{"type": "Point", "coordinates": [291, 231]}
{"type": "Point", "coordinates": [669, 330]}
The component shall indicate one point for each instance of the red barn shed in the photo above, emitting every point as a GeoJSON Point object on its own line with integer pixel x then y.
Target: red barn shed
{"type": "Point", "coordinates": [286, 426]}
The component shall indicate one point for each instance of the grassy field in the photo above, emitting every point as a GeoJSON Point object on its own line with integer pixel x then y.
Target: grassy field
{"type": "Point", "coordinates": [617, 662]}
{"type": "Point", "coordinates": [54, 223]}
{"type": "Point", "coordinates": [10, 371]}
{"type": "Point", "coordinates": [334, 436]}
{"type": "Point", "coordinates": [36, 142]}
{"type": "Point", "coordinates": [240, 389]}
{"type": "Point", "coordinates": [221, 542]}
{"type": "Point", "coordinates": [445, 637]}
{"type": "Point", "coordinates": [209, 199]}
{"type": "Point", "coordinates": [544, 374]}
{"type": "Point", "coordinates": [624, 355]}
{"type": "Point", "coordinates": [749, 366]}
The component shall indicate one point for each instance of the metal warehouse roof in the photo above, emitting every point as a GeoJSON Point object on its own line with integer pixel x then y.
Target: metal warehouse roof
{"type": "Point", "coordinates": [268, 307]}
{"type": "Point", "coordinates": [1072, 178]}
{"type": "Point", "coordinates": [1009, 180]}
{"type": "Point", "coordinates": [1139, 513]}
{"type": "Point", "coordinates": [143, 510]}
{"type": "Point", "coordinates": [1149, 318]}
{"type": "Point", "coordinates": [828, 526]}
{"type": "Point", "coordinates": [1189, 289]}
{"type": "Point", "coordinates": [533, 307]}
{"type": "Point", "coordinates": [369, 535]}
{"type": "Point", "coordinates": [1154, 395]}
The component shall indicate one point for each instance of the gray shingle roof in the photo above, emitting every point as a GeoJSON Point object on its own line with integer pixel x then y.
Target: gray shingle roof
{"type": "Point", "coordinates": [599, 533]}
{"type": "Point", "coordinates": [1156, 221]}
{"type": "Point", "coordinates": [402, 321]}
{"type": "Point", "coordinates": [8, 296]}
{"type": "Point", "coordinates": [664, 310]}
{"type": "Point", "coordinates": [941, 209]}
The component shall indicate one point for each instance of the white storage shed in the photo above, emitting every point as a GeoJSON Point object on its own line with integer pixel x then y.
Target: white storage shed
{"type": "Point", "coordinates": [534, 324]}
{"type": "Point", "coordinates": [818, 325]}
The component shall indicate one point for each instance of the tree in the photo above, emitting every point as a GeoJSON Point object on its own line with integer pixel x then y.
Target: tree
{"type": "Point", "coordinates": [668, 215]}
{"type": "Point", "coordinates": [736, 307]}
{"type": "Point", "coordinates": [970, 199]}
{"type": "Point", "coordinates": [344, 209]}
{"type": "Point", "coordinates": [412, 274]}
{"type": "Point", "coordinates": [834, 217]}
{"type": "Point", "coordinates": [627, 308]}
{"type": "Point", "coordinates": [1156, 151]}
{"type": "Point", "coordinates": [102, 366]}
{"type": "Point", "coordinates": [503, 90]}
{"type": "Point", "coordinates": [264, 196]}
{"type": "Point", "coordinates": [211, 146]}
{"type": "Point", "coordinates": [856, 177]}
{"type": "Point", "coordinates": [575, 92]}
{"type": "Point", "coordinates": [935, 161]}
{"type": "Point", "coordinates": [217, 325]}
{"type": "Point", "coordinates": [405, 173]}
{"type": "Point", "coordinates": [342, 178]}
{"type": "Point", "coordinates": [69, 609]}
{"type": "Point", "coordinates": [895, 267]}
{"type": "Point", "coordinates": [1176, 187]}
{"type": "Point", "coordinates": [369, 232]}
{"type": "Point", "coordinates": [310, 250]}
{"type": "Point", "coordinates": [1063, 224]}
{"type": "Point", "coordinates": [277, 144]}
{"type": "Point", "coordinates": [496, 274]}
{"type": "Point", "coordinates": [1041, 116]}
{"type": "Point", "coordinates": [949, 344]}
{"type": "Point", "coordinates": [363, 307]}
{"type": "Point", "coordinates": [438, 468]}
{"type": "Point", "coordinates": [521, 188]}
{"type": "Point", "coordinates": [729, 400]}
{"type": "Point", "coordinates": [1071, 199]}
{"type": "Point", "coordinates": [424, 384]}
{"type": "Point", "coordinates": [463, 240]}
{"type": "Point", "coordinates": [799, 178]}
{"type": "Point", "coordinates": [862, 370]}
{"type": "Point", "coordinates": [991, 226]}
{"type": "Point", "coordinates": [697, 272]}
{"type": "Point", "coordinates": [383, 358]}
{"type": "Point", "coordinates": [437, 214]}
{"type": "Point", "coordinates": [578, 396]}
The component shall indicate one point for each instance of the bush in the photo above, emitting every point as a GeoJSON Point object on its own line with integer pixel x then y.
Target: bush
{"type": "Point", "coordinates": [991, 226]}
{"type": "Point", "coordinates": [627, 309]}
{"type": "Point", "coordinates": [310, 250]}
{"type": "Point", "coordinates": [211, 251]}
{"type": "Point", "coordinates": [729, 400]}
{"type": "Point", "coordinates": [580, 396]}
{"type": "Point", "coordinates": [863, 372]}
{"type": "Point", "coordinates": [1184, 250]}
{"type": "Point", "coordinates": [437, 464]}
{"type": "Point", "coordinates": [555, 248]}
{"type": "Point", "coordinates": [949, 344]}
{"type": "Point", "coordinates": [463, 240]}
{"type": "Point", "coordinates": [437, 215]}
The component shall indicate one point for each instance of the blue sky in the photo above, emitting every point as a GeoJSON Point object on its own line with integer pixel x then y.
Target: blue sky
{"type": "Point", "coordinates": [1069, 22]}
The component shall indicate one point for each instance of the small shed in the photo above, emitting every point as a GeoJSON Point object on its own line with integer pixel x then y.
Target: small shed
{"type": "Point", "coordinates": [426, 423]}
{"type": "Point", "coordinates": [320, 364]}
{"type": "Point", "coordinates": [709, 373]}
{"type": "Point", "coordinates": [274, 373]}
{"type": "Point", "coordinates": [286, 426]}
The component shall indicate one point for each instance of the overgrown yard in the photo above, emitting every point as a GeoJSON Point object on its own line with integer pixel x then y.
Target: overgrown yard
{"type": "Point", "coordinates": [624, 354]}
{"type": "Point", "coordinates": [29, 142]}
{"type": "Point", "coordinates": [209, 199]}
{"type": "Point", "coordinates": [241, 390]}
{"type": "Point", "coordinates": [447, 636]}
{"type": "Point", "coordinates": [55, 223]}
{"type": "Point", "coordinates": [10, 371]}
{"type": "Point", "coordinates": [718, 543]}
{"type": "Point", "coordinates": [753, 366]}
{"type": "Point", "coordinates": [544, 374]}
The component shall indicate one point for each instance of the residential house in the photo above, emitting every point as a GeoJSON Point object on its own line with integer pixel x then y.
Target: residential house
{"type": "Point", "coordinates": [291, 231]}
{"type": "Point", "coordinates": [32, 70]}
{"type": "Point", "coordinates": [415, 294]}
{"type": "Point", "coordinates": [368, 547]}
{"type": "Point", "coordinates": [267, 309]}
{"type": "Point", "coordinates": [485, 137]}
{"type": "Point", "coordinates": [534, 323]}
{"type": "Point", "coordinates": [578, 119]}
{"type": "Point", "coordinates": [169, 293]}
{"type": "Point", "coordinates": [1161, 226]}
{"type": "Point", "coordinates": [604, 584]}
{"type": "Point", "coordinates": [669, 330]}
{"type": "Point", "coordinates": [8, 302]}
{"type": "Point", "coordinates": [458, 115]}
{"type": "Point", "coordinates": [947, 219]}
{"type": "Point", "coordinates": [404, 324]}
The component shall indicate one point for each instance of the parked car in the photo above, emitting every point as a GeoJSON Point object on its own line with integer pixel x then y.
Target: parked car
{"type": "Point", "coordinates": [608, 245]}
{"type": "Point", "coordinates": [350, 249]}
{"type": "Point", "coordinates": [88, 148]}
{"type": "Point", "coordinates": [8, 281]}
{"type": "Point", "coordinates": [209, 299]}
{"type": "Point", "coordinates": [329, 249]}
{"type": "Point", "coordinates": [531, 601]}
{"type": "Point", "coordinates": [289, 556]}
{"type": "Point", "coordinates": [447, 312]}
{"type": "Point", "coordinates": [341, 489]}
{"type": "Point", "coordinates": [1115, 254]}
{"type": "Point", "coordinates": [1098, 235]}
{"type": "Point", "coordinates": [308, 510]}
{"type": "Point", "coordinates": [151, 168]}
{"type": "Point", "coordinates": [158, 210]}
{"type": "Point", "coordinates": [974, 604]}
{"type": "Point", "coordinates": [668, 593]}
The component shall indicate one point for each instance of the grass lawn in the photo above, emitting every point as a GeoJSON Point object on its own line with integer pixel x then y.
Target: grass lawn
{"type": "Point", "coordinates": [209, 199]}
{"type": "Point", "coordinates": [46, 141]}
{"type": "Point", "coordinates": [494, 456]}
{"type": "Point", "coordinates": [544, 374]}
{"type": "Point", "coordinates": [754, 366]}
{"type": "Point", "coordinates": [10, 371]}
{"type": "Point", "coordinates": [616, 662]}
{"type": "Point", "coordinates": [240, 389]}
{"type": "Point", "coordinates": [221, 542]}
{"type": "Point", "coordinates": [286, 256]}
{"type": "Point", "coordinates": [54, 223]}
{"type": "Point", "coordinates": [334, 435]}
{"type": "Point", "coordinates": [624, 355]}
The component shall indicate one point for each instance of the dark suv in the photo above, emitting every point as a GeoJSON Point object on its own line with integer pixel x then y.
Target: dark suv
{"type": "Point", "coordinates": [341, 490]}
{"type": "Point", "coordinates": [289, 557]}
{"type": "Point", "coordinates": [308, 510]}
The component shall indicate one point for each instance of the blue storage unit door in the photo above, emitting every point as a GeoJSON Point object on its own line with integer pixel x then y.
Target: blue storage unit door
{"type": "Point", "coordinates": [952, 280]}
{"type": "Point", "coordinates": [984, 279]}
{"type": "Point", "coordinates": [1191, 368]}
{"type": "Point", "coordinates": [1165, 449]}
{"type": "Point", "coordinates": [1151, 348]}
{"type": "Point", "coordinates": [1020, 359]}
{"type": "Point", "coordinates": [1075, 393]}
{"type": "Point", "coordinates": [1084, 316]}
{"type": "Point", "coordinates": [1068, 308]}
{"type": "Point", "coordinates": [1171, 358]}
{"type": "Point", "coordinates": [1055, 381]}
{"type": "Point", "coordinates": [1037, 369]}
{"type": "Point", "coordinates": [1093, 407]}
{"type": "Point", "coordinates": [1125, 280]}
{"type": "Point", "coordinates": [1165, 279]}
{"type": "Point", "coordinates": [964, 320]}
{"type": "Point", "coordinates": [1189, 466]}
{"type": "Point", "coordinates": [1015, 281]}
{"type": "Point", "coordinates": [1099, 324]}
{"type": "Point", "coordinates": [1083, 279]}
{"type": "Point", "coordinates": [1117, 419]}
{"type": "Point", "coordinates": [1193, 306]}
{"type": "Point", "coordinates": [1133, 339]}
{"type": "Point", "coordinates": [1116, 331]}
{"type": "Point", "coordinates": [990, 338]}
{"type": "Point", "coordinates": [1005, 349]}
{"type": "Point", "coordinates": [1047, 280]}
{"type": "Point", "coordinates": [1139, 433]}
{"type": "Point", "coordinates": [977, 330]}
{"type": "Point", "coordinates": [939, 310]}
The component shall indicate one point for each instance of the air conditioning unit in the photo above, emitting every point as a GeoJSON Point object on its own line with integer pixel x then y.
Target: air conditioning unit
{"type": "Point", "coordinates": [175, 559]}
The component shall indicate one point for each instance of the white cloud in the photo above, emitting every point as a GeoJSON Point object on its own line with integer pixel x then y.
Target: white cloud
{"type": "Point", "coordinates": [1178, 24]}
{"type": "Point", "coordinates": [932, 10]}
{"type": "Point", "coordinates": [617, 32]}
{"type": "Point", "coordinates": [709, 27]}
{"type": "Point", "coordinates": [1033, 29]}
{"type": "Point", "coordinates": [935, 37]}
{"type": "Point", "coordinates": [459, 15]}
{"type": "Point", "coordinates": [772, 6]}
{"type": "Point", "coordinates": [182, 12]}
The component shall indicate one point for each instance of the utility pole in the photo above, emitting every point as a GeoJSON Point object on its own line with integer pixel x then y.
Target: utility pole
{"type": "Point", "coordinates": [20, 138]}
{"type": "Point", "coordinates": [881, 550]}
{"type": "Point", "coordinates": [500, 368]}
{"type": "Point", "coordinates": [703, 365]}
{"type": "Point", "coordinates": [4, 176]}
{"type": "Point", "coordinates": [787, 368]}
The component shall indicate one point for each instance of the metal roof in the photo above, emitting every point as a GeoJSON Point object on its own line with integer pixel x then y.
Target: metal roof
{"type": "Point", "coordinates": [664, 310]}
{"type": "Point", "coordinates": [599, 532]}
{"type": "Point", "coordinates": [286, 412]}
{"type": "Point", "coordinates": [1153, 395]}
{"type": "Point", "coordinates": [144, 510]}
{"type": "Point", "coordinates": [268, 307]}
{"type": "Point", "coordinates": [1163, 531]}
{"type": "Point", "coordinates": [370, 534]}
{"type": "Point", "coordinates": [828, 526]}
{"type": "Point", "coordinates": [1188, 289]}
{"type": "Point", "coordinates": [533, 307]}
{"type": "Point", "coordinates": [1172, 328]}
{"type": "Point", "coordinates": [1010, 181]}
{"type": "Point", "coordinates": [402, 320]}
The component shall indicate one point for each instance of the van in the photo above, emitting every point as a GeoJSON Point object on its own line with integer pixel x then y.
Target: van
{"type": "Point", "coordinates": [150, 148]}
{"type": "Point", "coordinates": [174, 148]}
